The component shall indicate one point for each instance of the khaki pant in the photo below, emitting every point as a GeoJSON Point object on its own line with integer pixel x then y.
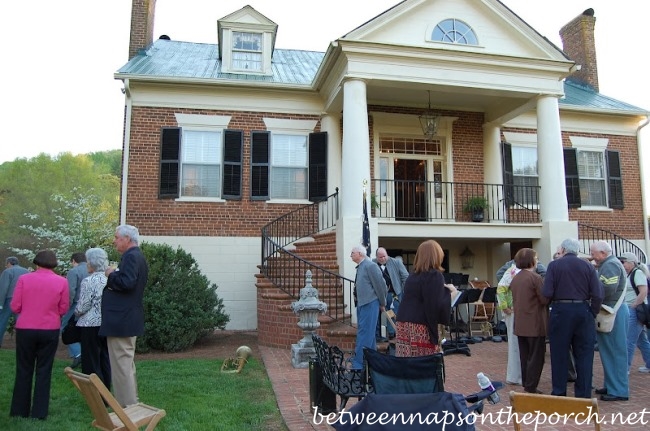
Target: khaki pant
{"type": "Point", "coordinates": [121, 351]}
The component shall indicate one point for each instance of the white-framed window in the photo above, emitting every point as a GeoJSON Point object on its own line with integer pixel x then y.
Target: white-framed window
{"type": "Point", "coordinates": [201, 164]}
{"type": "Point", "coordinates": [247, 51]}
{"type": "Point", "coordinates": [289, 155]}
{"type": "Point", "coordinates": [593, 179]}
{"type": "Point", "coordinates": [524, 174]}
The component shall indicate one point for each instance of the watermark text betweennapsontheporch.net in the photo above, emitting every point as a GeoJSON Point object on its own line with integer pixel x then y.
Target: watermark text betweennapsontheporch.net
{"type": "Point", "coordinates": [503, 416]}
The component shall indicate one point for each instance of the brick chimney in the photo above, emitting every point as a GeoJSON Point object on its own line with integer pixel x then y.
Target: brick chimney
{"type": "Point", "coordinates": [580, 45]}
{"type": "Point", "coordinates": [142, 14]}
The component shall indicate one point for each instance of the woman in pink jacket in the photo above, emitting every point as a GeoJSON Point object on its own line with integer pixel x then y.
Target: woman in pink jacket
{"type": "Point", "coordinates": [40, 299]}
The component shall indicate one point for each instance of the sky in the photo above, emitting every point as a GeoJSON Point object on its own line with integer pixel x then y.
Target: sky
{"type": "Point", "coordinates": [60, 95]}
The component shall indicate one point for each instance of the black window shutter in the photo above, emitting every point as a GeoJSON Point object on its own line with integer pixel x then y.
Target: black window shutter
{"type": "Point", "coordinates": [170, 147]}
{"type": "Point", "coordinates": [260, 156]}
{"type": "Point", "coordinates": [614, 179]}
{"type": "Point", "coordinates": [232, 164]}
{"type": "Point", "coordinates": [571, 177]}
{"type": "Point", "coordinates": [317, 166]}
{"type": "Point", "coordinates": [508, 176]}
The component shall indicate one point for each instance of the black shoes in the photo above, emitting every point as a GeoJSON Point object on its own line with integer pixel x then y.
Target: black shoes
{"type": "Point", "coordinates": [601, 391]}
{"type": "Point", "coordinates": [607, 397]}
{"type": "Point", "coordinates": [76, 362]}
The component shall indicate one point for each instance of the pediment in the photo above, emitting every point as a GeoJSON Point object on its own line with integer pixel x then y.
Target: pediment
{"type": "Point", "coordinates": [498, 30]}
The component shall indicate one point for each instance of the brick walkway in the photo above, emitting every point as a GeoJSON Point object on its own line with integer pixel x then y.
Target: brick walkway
{"type": "Point", "coordinates": [291, 387]}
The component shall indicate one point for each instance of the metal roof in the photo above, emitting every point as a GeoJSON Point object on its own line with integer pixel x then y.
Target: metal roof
{"type": "Point", "coordinates": [174, 59]}
{"type": "Point", "coordinates": [582, 96]}
{"type": "Point", "coordinates": [167, 59]}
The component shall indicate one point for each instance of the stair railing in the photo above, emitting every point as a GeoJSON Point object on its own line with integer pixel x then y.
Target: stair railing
{"type": "Point", "coordinates": [287, 271]}
{"type": "Point", "coordinates": [587, 235]}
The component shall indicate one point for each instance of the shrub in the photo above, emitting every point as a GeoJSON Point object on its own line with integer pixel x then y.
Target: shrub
{"type": "Point", "coordinates": [180, 304]}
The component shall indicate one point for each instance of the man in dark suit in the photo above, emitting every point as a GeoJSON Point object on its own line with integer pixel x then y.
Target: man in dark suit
{"type": "Point", "coordinates": [123, 312]}
{"type": "Point", "coordinates": [572, 285]}
{"type": "Point", "coordinates": [395, 274]}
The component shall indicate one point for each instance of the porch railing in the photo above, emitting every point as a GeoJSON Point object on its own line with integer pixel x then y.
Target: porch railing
{"type": "Point", "coordinates": [287, 271]}
{"type": "Point", "coordinates": [446, 201]}
{"type": "Point", "coordinates": [587, 235]}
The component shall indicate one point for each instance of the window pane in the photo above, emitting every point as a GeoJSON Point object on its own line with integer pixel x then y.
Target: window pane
{"type": "Point", "coordinates": [288, 183]}
{"type": "Point", "coordinates": [524, 161]}
{"type": "Point", "coordinates": [247, 41]}
{"type": "Point", "coordinates": [201, 180]}
{"type": "Point", "coordinates": [289, 150]}
{"type": "Point", "coordinates": [201, 164]}
{"type": "Point", "coordinates": [201, 147]}
{"type": "Point", "coordinates": [592, 192]}
{"type": "Point", "coordinates": [246, 61]}
{"type": "Point", "coordinates": [525, 190]}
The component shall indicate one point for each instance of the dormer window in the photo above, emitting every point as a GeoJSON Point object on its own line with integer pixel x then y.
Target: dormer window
{"type": "Point", "coordinates": [246, 42]}
{"type": "Point", "coordinates": [454, 31]}
{"type": "Point", "coordinates": [247, 51]}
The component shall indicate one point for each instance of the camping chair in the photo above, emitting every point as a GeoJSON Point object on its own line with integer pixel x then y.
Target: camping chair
{"type": "Point", "coordinates": [412, 375]}
{"type": "Point", "coordinates": [585, 408]}
{"type": "Point", "coordinates": [99, 398]}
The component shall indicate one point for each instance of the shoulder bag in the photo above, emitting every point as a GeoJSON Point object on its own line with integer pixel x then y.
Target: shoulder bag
{"type": "Point", "coordinates": [71, 332]}
{"type": "Point", "coordinates": [606, 316]}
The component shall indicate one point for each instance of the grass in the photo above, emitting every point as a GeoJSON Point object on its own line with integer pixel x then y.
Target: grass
{"type": "Point", "coordinates": [195, 394]}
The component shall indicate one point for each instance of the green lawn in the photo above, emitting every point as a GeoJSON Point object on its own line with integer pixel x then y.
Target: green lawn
{"type": "Point", "coordinates": [195, 394]}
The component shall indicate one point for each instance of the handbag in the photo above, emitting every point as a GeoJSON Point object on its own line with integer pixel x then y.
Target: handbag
{"type": "Point", "coordinates": [71, 332]}
{"type": "Point", "coordinates": [607, 315]}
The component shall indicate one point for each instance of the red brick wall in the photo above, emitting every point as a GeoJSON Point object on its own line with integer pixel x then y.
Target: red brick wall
{"type": "Point", "coordinates": [245, 217]}
{"type": "Point", "coordinates": [627, 222]}
{"type": "Point", "coordinates": [156, 216]}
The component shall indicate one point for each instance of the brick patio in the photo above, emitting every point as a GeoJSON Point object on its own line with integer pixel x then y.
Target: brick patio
{"type": "Point", "coordinates": [291, 387]}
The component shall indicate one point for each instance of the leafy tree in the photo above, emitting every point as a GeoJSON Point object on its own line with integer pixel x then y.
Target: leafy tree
{"type": "Point", "coordinates": [78, 222]}
{"type": "Point", "coordinates": [31, 185]}
{"type": "Point", "coordinates": [108, 162]}
{"type": "Point", "coordinates": [180, 304]}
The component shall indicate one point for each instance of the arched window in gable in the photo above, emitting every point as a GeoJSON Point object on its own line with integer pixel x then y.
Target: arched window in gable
{"type": "Point", "coordinates": [454, 31]}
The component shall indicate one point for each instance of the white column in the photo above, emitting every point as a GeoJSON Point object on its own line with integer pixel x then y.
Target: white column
{"type": "Point", "coordinates": [550, 162]}
{"type": "Point", "coordinates": [492, 158]}
{"type": "Point", "coordinates": [331, 123]}
{"type": "Point", "coordinates": [355, 168]}
{"type": "Point", "coordinates": [356, 148]}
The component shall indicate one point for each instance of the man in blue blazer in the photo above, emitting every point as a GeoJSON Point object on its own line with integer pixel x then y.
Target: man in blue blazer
{"type": "Point", "coordinates": [369, 298]}
{"type": "Point", "coordinates": [123, 312]}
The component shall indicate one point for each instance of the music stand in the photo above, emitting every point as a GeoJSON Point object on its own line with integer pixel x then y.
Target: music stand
{"type": "Point", "coordinates": [455, 345]}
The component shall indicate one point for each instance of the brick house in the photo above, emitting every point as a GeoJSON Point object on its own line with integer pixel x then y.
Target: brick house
{"type": "Point", "coordinates": [422, 107]}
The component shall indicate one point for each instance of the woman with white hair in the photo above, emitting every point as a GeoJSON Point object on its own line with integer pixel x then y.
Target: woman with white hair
{"type": "Point", "coordinates": [635, 294]}
{"type": "Point", "coordinates": [94, 350]}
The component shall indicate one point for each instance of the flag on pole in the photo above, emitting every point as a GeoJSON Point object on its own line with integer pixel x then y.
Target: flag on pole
{"type": "Point", "coordinates": [365, 241]}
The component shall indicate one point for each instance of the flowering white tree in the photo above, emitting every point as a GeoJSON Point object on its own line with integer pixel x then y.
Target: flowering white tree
{"type": "Point", "coordinates": [80, 220]}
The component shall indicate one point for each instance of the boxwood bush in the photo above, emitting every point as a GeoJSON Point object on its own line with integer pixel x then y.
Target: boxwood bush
{"type": "Point", "coordinates": [180, 304]}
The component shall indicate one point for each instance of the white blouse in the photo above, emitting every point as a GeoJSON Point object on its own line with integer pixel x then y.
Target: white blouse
{"type": "Point", "coordinates": [89, 306]}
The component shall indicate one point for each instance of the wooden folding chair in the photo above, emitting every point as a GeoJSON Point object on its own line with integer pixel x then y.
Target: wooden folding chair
{"type": "Point", "coordinates": [580, 410]}
{"type": "Point", "coordinates": [483, 312]}
{"type": "Point", "coordinates": [97, 395]}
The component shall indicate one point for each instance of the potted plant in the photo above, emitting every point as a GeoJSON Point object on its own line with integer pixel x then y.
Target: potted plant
{"type": "Point", "coordinates": [476, 205]}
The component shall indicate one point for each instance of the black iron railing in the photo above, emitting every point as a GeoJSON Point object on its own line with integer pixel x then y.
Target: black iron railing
{"type": "Point", "coordinates": [287, 271]}
{"type": "Point", "coordinates": [450, 201]}
{"type": "Point", "coordinates": [587, 235]}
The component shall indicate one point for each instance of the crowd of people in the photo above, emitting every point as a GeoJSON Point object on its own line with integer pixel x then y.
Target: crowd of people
{"type": "Point", "coordinates": [107, 303]}
{"type": "Point", "coordinates": [555, 305]}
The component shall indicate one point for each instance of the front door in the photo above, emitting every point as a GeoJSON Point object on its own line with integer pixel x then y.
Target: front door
{"type": "Point", "coordinates": [410, 189]}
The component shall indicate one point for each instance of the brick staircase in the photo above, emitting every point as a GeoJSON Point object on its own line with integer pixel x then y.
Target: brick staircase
{"type": "Point", "coordinates": [276, 321]}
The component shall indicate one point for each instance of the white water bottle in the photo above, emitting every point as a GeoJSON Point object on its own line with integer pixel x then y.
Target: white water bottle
{"type": "Point", "coordinates": [486, 385]}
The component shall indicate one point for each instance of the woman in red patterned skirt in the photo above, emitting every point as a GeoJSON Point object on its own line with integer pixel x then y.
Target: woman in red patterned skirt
{"type": "Point", "coordinates": [426, 304]}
